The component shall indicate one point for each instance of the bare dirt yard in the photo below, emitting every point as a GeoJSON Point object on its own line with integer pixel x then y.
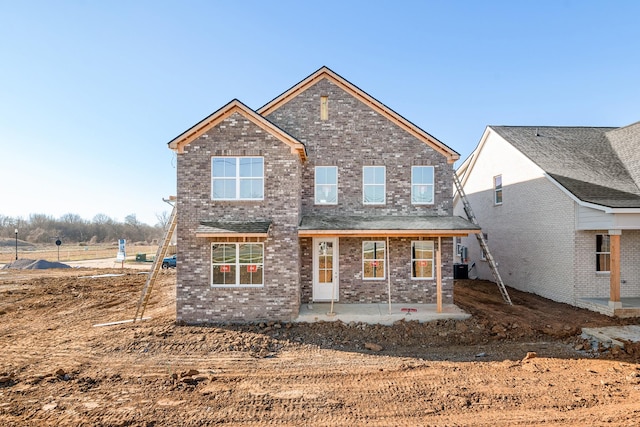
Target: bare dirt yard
{"type": "Point", "coordinates": [507, 365]}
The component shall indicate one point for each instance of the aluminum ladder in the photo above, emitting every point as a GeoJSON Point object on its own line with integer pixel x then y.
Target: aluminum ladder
{"type": "Point", "coordinates": [481, 240]}
{"type": "Point", "coordinates": [157, 265]}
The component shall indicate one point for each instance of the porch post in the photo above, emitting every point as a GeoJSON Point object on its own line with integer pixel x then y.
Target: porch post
{"type": "Point", "coordinates": [439, 277]}
{"type": "Point", "coordinates": [614, 277]}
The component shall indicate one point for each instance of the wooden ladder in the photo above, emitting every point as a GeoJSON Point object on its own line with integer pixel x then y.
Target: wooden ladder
{"type": "Point", "coordinates": [481, 240]}
{"type": "Point", "coordinates": [157, 265]}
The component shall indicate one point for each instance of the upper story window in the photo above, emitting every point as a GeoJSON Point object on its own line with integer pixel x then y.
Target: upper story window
{"type": "Point", "coordinates": [326, 185]}
{"type": "Point", "coordinates": [497, 190]}
{"type": "Point", "coordinates": [373, 185]}
{"type": "Point", "coordinates": [422, 185]}
{"type": "Point", "coordinates": [603, 252]}
{"type": "Point", "coordinates": [237, 178]}
{"type": "Point", "coordinates": [373, 259]}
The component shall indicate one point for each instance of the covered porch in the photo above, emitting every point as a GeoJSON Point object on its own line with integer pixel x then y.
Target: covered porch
{"type": "Point", "coordinates": [377, 262]}
{"type": "Point", "coordinates": [623, 308]}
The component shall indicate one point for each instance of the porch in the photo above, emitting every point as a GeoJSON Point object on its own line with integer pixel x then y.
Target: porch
{"type": "Point", "coordinates": [624, 308]}
{"type": "Point", "coordinates": [379, 313]}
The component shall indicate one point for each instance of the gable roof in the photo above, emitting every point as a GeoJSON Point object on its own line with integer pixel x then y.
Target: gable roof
{"type": "Point", "coordinates": [185, 138]}
{"type": "Point", "coordinates": [356, 92]}
{"type": "Point", "coordinates": [580, 159]}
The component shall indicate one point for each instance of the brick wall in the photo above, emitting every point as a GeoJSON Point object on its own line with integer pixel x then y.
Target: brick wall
{"type": "Point", "coordinates": [197, 301]}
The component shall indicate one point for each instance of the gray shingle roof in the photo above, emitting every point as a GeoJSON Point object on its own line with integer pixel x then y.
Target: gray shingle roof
{"type": "Point", "coordinates": [401, 223]}
{"type": "Point", "coordinates": [581, 159]}
{"type": "Point", "coordinates": [239, 227]}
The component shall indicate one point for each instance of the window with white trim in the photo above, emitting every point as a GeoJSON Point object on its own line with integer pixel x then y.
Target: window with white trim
{"type": "Point", "coordinates": [237, 178]}
{"type": "Point", "coordinates": [422, 185]}
{"type": "Point", "coordinates": [422, 259]}
{"type": "Point", "coordinates": [373, 185]}
{"type": "Point", "coordinates": [603, 253]}
{"type": "Point", "coordinates": [237, 264]}
{"type": "Point", "coordinates": [326, 185]}
{"type": "Point", "coordinates": [373, 260]}
{"type": "Point", "coordinates": [497, 190]}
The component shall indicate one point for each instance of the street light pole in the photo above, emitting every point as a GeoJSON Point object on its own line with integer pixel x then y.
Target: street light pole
{"type": "Point", "coordinates": [16, 244]}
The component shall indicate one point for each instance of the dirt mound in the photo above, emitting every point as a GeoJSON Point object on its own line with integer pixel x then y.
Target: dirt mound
{"type": "Point", "coordinates": [31, 264]}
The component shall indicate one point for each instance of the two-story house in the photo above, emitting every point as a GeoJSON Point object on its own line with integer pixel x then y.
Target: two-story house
{"type": "Point", "coordinates": [323, 194]}
{"type": "Point", "coordinates": [560, 206]}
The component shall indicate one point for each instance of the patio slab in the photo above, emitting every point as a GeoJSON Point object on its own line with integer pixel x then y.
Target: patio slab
{"type": "Point", "coordinates": [613, 335]}
{"type": "Point", "coordinates": [378, 313]}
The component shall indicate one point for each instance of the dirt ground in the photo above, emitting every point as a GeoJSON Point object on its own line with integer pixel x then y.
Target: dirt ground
{"type": "Point", "coordinates": [507, 365]}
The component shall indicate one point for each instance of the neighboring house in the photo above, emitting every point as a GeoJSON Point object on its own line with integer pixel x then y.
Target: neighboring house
{"type": "Point", "coordinates": [560, 207]}
{"type": "Point", "coordinates": [322, 194]}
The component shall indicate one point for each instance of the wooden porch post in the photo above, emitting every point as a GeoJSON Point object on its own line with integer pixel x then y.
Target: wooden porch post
{"type": "Point", "coordinates": [614, 277]}
{"type": "Point", "coordinates": [439, 276]}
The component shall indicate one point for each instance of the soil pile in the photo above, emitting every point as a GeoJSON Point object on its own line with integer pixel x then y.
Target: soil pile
{"type": "Point", "coordinates": [32, 264]}
{"type": "Point", "coordinates": [508, 365]}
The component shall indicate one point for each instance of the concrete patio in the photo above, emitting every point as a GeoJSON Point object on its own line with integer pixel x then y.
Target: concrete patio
{"type": "Point", "coordinates": [628, 307]}
{"type": "Point", "coordinates": [378, 313]}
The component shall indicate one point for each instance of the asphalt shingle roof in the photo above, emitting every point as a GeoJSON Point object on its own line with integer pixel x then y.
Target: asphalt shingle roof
{"type": "Point", "coordinates": [325, 222]}
{"type": "Point", "coordinates": [240, 227]}
{"type": "Point", "coordinates": [581, 159]}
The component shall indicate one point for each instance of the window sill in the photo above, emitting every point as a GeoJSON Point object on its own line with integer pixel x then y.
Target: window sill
{"type": "Point", "coordinates": [236, 286]}
{"type": "Point", "coordinates": [603, 273]}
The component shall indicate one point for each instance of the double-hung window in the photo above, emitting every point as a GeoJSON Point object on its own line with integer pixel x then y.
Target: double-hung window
{"type": "Point", "coordinates": [497, 190]}
{"type": "Point", "coordinates": [422, 259]}
{"type": "Point", "coordinates": [373, 185]}
{"type": "Point", "coordinates": [603, 252]}
{"type": "Point", "coordinates": [422, 185]}
{"type": "Point", "coordinates": [326, 185]}
{"type": "Point", "coordinates": [237, 264]}
{"type": "Point", "coordinates": [237, 178]}
{"type": "Point", "coordinates": [373, 260]}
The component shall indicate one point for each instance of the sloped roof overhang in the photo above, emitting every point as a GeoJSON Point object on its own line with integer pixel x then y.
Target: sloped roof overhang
{"type": "Point", "coordinates": [385, 226]}
{"type": "Point", "coordinates": [179, 142]}
{"type": "Point", "coordinates": [403, 123]}
{"type": "Point", "coordinates": [259, 229]}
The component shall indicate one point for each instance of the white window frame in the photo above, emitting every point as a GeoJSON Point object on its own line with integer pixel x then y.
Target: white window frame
{"type": "Point", "coordinates": [600, 252]}
{"type": "Point", "coordinates": [382, 260]}
{"type": "Point", "coordinates": [236, 178]}
{"type": "Point", "coordinates": [383, 185]}
{"type": "Point", "coordinates": [432, 259]}
{"type": "Point", "coordinates": [497, 189]}
{"type": "Point", "coordinates": [414, 185]}
{"type": "Point", "coordinates": [238, 265]}
{"type": "Point", "coordinates": [316, 185]}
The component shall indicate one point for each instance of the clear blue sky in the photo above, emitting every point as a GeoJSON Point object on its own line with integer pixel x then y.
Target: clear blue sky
{"type": "Point", "coordinates": [91, 91]}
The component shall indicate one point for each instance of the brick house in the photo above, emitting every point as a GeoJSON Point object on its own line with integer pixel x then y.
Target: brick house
{"type": "Point", "coordinates": [322, 194]}
{"type": "Point", "coordinates": [560, 207]}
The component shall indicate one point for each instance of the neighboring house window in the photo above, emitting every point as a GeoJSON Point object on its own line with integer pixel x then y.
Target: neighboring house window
{"type": "Point", "coordinates": [497, 190]}
{"type": "Point", "coordinates": [373, 185]}
{"type": "Point", "coordinates": [237, 178]}
{"type": "Point", "coordinates": [422, 259]}
{"type": "Point", "coordinates": [326, 185]}
{"type": "Point", "coordinates": [422, 185]}
{"type": "Point", "coordinates": [373, 259]}
{"type": "Point", "coordinates": [603, 253]}
{"type": "Point", "coordinates": [237, 264]}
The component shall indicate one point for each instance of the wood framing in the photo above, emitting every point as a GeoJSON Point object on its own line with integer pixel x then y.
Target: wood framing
{"type": "Point", "coordinates": [614, 278]}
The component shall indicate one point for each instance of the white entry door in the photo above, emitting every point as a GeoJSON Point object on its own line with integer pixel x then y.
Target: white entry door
{"type": "Point", "coordinates": [325, 269]}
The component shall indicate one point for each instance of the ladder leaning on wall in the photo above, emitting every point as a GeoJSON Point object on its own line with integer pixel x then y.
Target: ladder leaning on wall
{"type": "Point", "coordinates": [157, 265]}
{"type": "Point", "coordinates": [481, 240]}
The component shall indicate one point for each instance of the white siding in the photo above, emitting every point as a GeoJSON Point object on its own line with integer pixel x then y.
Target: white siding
{"type": "Point", "coordinates": [593, 219]}
{"type": "Point", "coordinates": [531, 235]}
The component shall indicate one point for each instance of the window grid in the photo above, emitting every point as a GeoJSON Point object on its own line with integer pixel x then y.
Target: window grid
{"type": "Point", "coordinates": [326, 185]}
{"type": "Point", "coordinates": [237, 178]}
{"type": "Point", "coordinates": [373, 260]}
{"type": "Point", "coordinates": [603, 253]}
{"type": "Point", "coordinates": [373, 185]}
{"type": "Point", "coordinates": [422, 259]}
{"type": "Point", "coordinates": [497, 190]}
{"type": "Point", "coordinates": [422, 185]}
{"type": "Point", "coordinates": [237, 264]}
